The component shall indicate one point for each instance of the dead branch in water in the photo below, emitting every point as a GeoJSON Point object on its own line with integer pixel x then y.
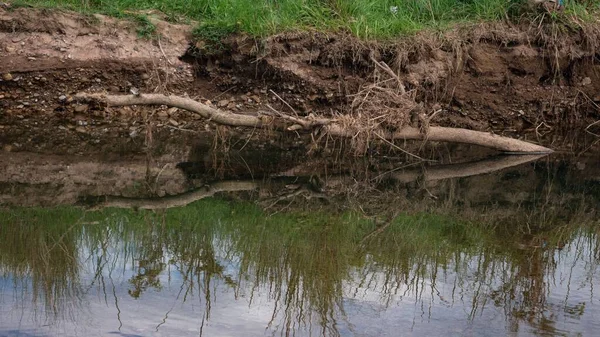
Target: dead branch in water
{"type": "Point", "coordinates": [331, 126]}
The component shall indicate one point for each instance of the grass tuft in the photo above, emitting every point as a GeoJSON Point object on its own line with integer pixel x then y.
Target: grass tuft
{"type": "Point", "coordinates": [146, 28]}
{"type": "Point", "coordinates": [212, 33]}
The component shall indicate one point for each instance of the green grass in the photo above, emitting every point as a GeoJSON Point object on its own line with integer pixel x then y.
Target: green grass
{"type": "Point", "coordinates": [379, 19]}
{"type": "Point", "coordinates": [145, 29]}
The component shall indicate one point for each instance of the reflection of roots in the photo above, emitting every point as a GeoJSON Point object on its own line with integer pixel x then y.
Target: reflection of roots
{"type": "Point", "coordinates": [332, 127]}
{"type": "Point", "coordinates": [309, 191]}
{"type": "Point", "coordinates": [301, 190]}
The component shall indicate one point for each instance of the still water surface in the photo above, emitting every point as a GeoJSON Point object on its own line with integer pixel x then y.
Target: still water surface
{"type": "Point", "coordinates": [510, 252]}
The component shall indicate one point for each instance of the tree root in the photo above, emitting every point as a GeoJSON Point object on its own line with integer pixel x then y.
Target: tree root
{"type": "Point", "coordinates": [266, 119]}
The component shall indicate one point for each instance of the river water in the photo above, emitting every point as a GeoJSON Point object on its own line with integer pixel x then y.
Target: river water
{"type": "Point", "coordinates": [498, 246]}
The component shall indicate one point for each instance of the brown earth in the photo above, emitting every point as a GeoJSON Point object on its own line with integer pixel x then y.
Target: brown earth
{"type": "Point", "coordinates": [535, 83]}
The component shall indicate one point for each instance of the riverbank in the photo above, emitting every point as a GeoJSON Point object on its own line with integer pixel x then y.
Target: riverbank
{"type": "Point", "coordinates": [536, 82]}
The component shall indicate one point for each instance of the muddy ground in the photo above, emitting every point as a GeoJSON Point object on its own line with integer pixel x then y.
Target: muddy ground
{"type": "Point", "coordinates": [523, 81]}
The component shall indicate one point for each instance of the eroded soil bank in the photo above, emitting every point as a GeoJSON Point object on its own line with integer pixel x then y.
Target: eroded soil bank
{"type": "Point", "coordinates": [535, 82]}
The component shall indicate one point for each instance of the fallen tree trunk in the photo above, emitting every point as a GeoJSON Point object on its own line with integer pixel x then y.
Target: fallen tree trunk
{"type": "Point", "coordinates": [455, 135]}
{"type": "Point", "coordinates": [333, 128]}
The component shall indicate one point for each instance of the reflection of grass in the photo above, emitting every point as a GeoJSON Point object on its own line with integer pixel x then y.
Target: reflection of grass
{"type": "Point", "coordinates": [303, 257]}
{"type": "Point", "coordinates": [39, 249]}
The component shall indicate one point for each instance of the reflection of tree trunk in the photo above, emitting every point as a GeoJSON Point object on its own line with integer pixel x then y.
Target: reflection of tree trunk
{"type": "Point", "coordinates": [180, 199]}
{"type": "Point", "coordinates": [433, 173]}
{"type": "Point", "coordinates": [449, 171]}
{"type": "Point", "coordinates": [331, 126]}
{"type": "Point", "coordinates": [462, 170]}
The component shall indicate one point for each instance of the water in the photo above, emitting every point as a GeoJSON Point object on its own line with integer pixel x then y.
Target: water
{"type": "Point", "coordinates": [502, 246]}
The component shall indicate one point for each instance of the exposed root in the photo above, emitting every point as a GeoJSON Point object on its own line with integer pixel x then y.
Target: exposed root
{"type": "Point", "coordinates": [587, 129]}
{"type": "Point", "coordinates": [332, 127]}
{"type": "Point", "coordinates": [383, 104]}
{"type": "Point", "coordinates": [390, 72]}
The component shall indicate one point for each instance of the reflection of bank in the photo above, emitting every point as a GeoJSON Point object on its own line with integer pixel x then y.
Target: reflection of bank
{"type": "Point", "coordinates": [40, 258]}
{"type": "Point", "coordinates": [38, 180]}
{"type": "Point", "coordinates": [296, 189]}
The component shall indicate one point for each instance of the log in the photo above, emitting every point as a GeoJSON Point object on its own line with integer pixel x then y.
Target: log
{"type": "Point", "coordinates": [455, 135]}
{"type": "Point", "coordinates": [208, 112]}
{"type": "Point", "coordinates": [333, 128]}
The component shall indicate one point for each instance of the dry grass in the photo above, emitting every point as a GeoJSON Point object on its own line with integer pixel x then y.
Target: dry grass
{"type": "Point", "coordinates": [382, 103]}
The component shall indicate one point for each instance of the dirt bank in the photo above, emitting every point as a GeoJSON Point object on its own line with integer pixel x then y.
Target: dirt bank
{"type": "Point", "coordinates": [537, 83]}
